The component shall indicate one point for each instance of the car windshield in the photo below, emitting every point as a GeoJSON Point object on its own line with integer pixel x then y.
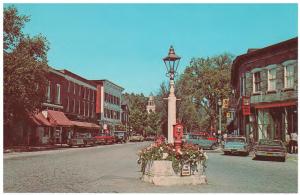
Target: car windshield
{"type": "Point", "coordinates": [240, 140]}
{"type": "Point", "coordinates": [269, 142]}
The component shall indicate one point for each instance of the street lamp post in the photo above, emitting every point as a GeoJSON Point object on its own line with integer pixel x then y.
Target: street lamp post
{"type": "Point", "coordinates": [220, 115]}
{"type": "Point", "coordinates": [171, 63]}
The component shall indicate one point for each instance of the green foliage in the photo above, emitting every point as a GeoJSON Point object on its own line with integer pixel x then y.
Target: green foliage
{"type": "Point", "coordinates": [203, 82]}
{"type": "Point", "coordinates": [188, 154]}
{"type": "Point", "coordinates": [25, 68]}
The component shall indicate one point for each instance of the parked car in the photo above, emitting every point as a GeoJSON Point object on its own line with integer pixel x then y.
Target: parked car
{"type": "Point", "coordinates": [150, 138]}
{"type": "Point", "coordinates": [236, 145]}
{"type": "Point", "coordinates": [120, 136]}
{"type": "Point", "coordinates": [202, 140]}
{"type": "Point", "coordinates": [136, 138]}
{"type": "Point", "coordinates": [270, 148]}
{"type": "Point", "coordinates": [103, 138]}
{"type": "Point", "coordinates": [81, 140]}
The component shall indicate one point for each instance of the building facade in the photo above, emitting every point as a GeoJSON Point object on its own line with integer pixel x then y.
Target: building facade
{"type": "Point", "coordinates": [266, 91]}
{"type": "Point", "coordinates": [108, 104]}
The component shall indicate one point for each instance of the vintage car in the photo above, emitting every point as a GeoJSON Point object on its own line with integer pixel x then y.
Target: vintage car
{"type": "Point", "coordinates": [270, 148]}
{"type": "Point", "coordinates": [202, 140]}
{"type": "Point", "coordinates": [120, 136]}
{"type": "Point", "coordinates": [104, 138]}
{"type": "Point", "coordinates": [236, 145]}
{"type": "Point", "coordinates": [81, 140]}
{"type": "Point", "coordinates": [136, 138]}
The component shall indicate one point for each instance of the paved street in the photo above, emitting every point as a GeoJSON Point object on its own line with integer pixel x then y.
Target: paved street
{"type": "Point", "coordinates": [113, 168]}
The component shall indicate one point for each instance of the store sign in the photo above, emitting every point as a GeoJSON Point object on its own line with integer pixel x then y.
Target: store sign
{"type": "Point", "coordinates": [246, 105]}
{"type": "Point", "coordinates": [186, 170]}
{"type": "Point", "coordinates": [225, 103]}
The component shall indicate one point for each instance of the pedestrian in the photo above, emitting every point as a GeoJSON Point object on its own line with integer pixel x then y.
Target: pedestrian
{"type": "Point", "coordinates": [288, 142]}
{"type": "Point", "coordinates": [294, 142]}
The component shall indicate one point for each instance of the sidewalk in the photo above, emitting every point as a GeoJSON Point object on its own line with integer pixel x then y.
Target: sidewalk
{"type": "Point", "coordinates": [33, 148]}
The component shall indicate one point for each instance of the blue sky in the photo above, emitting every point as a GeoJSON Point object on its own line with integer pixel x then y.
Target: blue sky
{"type": "Point", "coordinates": [125, 43]}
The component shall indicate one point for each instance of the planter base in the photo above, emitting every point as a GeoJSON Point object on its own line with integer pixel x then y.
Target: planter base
{"type": "Point", "coordinates": [161, 173]}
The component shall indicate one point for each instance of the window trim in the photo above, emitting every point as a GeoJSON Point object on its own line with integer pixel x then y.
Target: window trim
{"type": "Point", "coordinates": [285, 76]}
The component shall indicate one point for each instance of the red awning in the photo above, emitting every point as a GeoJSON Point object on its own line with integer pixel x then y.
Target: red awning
{"type": "Point", "coordinates": [58, 118]}
{"type": "Point", "coordinates": [85, 125]}
{"type": "Point", "coordinates": [40, 120]}
{"type": "Point", "coordinates": [275, 104]}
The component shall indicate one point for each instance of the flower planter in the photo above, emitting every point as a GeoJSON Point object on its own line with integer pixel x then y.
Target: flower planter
{"type": "Point", "coordinates": [160, 172]}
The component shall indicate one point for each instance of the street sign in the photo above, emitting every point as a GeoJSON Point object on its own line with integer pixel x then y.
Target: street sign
{"type": "Point", "coordinates": [186, 170]}
{"type": "Point", "coordinates": [225, 103]}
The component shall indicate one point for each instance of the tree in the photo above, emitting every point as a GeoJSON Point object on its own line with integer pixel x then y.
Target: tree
{"type": "Point", "coordinates": [25, 69]}
{"type": "Point", "coordinates": [138, 114]}
{"type": "Point", "coordinates": [153, 122]}
{"type": "Point", "coordinates": [162, 107]}
{"type": "Point", "coordinates": [203, 83]}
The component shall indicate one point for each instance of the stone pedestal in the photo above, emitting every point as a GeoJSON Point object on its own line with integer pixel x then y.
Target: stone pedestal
{"type": "Point", "coordinates": [161, 173]}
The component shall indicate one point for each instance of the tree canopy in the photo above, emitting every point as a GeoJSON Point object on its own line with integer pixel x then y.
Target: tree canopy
{"type": "Point", "coordinates": [25, 68]}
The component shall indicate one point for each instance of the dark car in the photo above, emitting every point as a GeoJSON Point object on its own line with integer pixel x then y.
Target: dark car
{"type": "Point", "coordinates": [270, 148]}
{"type": "Point", "coordinates": [120, 136]}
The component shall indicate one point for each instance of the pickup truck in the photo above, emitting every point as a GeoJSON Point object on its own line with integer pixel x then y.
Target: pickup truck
{"type": "Point", "coordinates": [103, 138]}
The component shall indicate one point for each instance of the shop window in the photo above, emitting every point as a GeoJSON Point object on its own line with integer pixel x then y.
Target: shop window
{"type": "Point", "coordinates": [46, 132]}
{"type": "Point", "coordinates": [289, 76]}
{"type": "Point", "coordinates": [257, 82]}
{"type": "Point", "coordinates": [272, 79]}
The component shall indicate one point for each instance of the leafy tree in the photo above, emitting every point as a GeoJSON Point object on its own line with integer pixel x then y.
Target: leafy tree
{"type": "Point", "coordinates": [153, 121]}
{"type": "Point", "coordinates": [25, 68]}
{"type": "Point", "coordinates": [162, 107]}
{"type": "Point", "coordinates": [203, 83]}
{"type": "Point", "coordinates": [138, 114]}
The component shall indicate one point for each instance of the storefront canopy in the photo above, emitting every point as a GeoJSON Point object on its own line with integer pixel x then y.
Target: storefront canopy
{"type": "Point", "coordinates": [275, 104]}
{"type": "Point", "coordinates": [57, 118]}
{"type": "Point", "coordinates": [40, 120]}
{"type": "Point", "coordinates": [85, 125]}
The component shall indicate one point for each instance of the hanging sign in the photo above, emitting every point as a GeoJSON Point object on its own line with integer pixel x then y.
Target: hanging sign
{"type": "Point", "coordinates": [246, 105]}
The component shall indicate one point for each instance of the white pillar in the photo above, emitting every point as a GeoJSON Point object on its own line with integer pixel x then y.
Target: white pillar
{"type": "Point", "coordinates": [171, 112]}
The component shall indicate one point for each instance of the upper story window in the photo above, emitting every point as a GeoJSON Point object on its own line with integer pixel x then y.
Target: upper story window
{"type": "Point", "coordinates": [69, 83]}
{"type": "Point", "coordinates": [289, 76]}
{"type": "Point", "coordinates": [79, 91]}
{"type": "Point", "coordinates": [49, 91]}
{"type": "Point", "coordinates": [256, 82]}
{"type": "Point", "coordinates": [242, 85]}
{"type": "Point", "coordinates": [74, 105]}
{"type": "Point", "coordinates": [74, 88]}
{"type": "Point", "coordinates": [68, 104]}
{"type": "Point", "coordinates": [272, 79]}
{"type": "Point", "coordinates": [57, 98]}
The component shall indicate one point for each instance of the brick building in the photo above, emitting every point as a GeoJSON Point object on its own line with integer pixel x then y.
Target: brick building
{"type": "Point", "coordinates": [265, 80]}
{"type": "Point", "coordinates": [69, 108]}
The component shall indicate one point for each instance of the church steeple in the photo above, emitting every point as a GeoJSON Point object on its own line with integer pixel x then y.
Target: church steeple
{"type": "Point", "coordinates": [151, 104]}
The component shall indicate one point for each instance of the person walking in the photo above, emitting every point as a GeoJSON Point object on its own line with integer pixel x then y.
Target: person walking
{"type": "Point", "coordinates": [288, 142]}
{"type": "Point", "coordinates": [294, 142]}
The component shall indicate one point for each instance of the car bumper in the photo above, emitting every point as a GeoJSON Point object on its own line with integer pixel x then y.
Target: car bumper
{"type": "Point", "coordinates": [235, 150]}
{"type": "Point", "coordinates": [271, 154]}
